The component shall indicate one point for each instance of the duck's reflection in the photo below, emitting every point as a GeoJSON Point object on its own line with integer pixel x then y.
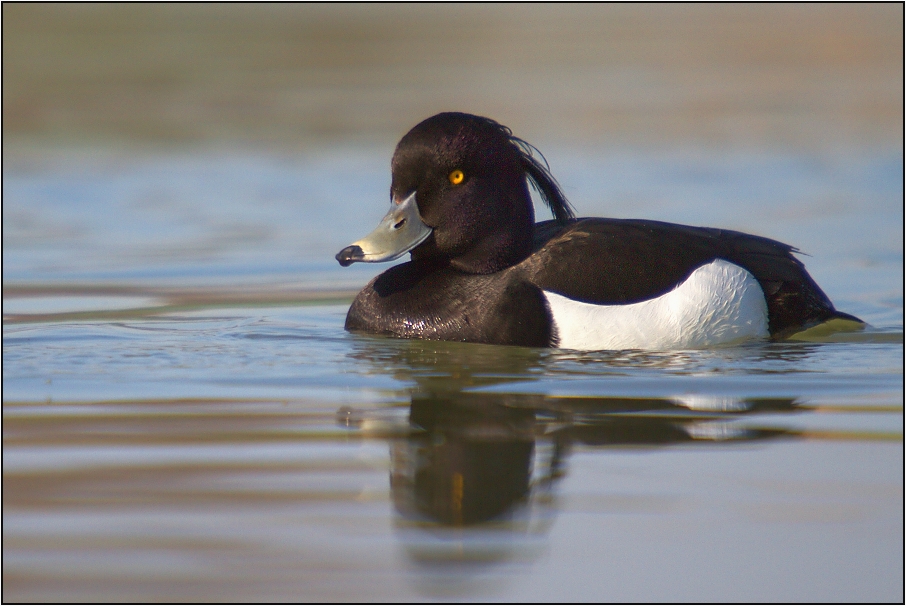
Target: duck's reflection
{"type": "Point", "coordinates": [470, 458]}
{"type": "Point", "coordinates": [464, 464]}
{"type": "Point", "coordinates": [474, 474]}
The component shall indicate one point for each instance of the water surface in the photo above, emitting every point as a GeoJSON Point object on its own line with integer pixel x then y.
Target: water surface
{"type": "Point", "coordinates": [186, 419]}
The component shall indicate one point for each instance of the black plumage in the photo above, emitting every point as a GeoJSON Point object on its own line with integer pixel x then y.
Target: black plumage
{"type": "Point", "coordinates": [480, 275]}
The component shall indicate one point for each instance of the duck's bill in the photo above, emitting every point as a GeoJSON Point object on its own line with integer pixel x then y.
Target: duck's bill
{"type": "Point", "coordinates": [401, 230]}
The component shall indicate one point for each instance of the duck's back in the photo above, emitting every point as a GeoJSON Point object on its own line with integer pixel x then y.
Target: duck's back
{"type": "Point", "coordinates": [615, 262]}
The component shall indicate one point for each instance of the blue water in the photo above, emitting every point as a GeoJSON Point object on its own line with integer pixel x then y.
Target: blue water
{"type": "Point", "coordinates": [162, 446]}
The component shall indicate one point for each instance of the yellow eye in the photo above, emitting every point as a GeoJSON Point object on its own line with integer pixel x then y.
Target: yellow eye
{"type": "Point", "coordinates": [456, 177]}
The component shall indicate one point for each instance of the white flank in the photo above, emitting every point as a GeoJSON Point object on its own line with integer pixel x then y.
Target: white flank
{"type": "Point", "coordinates": [719, 303]}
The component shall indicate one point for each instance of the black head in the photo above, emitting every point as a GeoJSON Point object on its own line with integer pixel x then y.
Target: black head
{"type": "Point", "coordinates": [469, 175]}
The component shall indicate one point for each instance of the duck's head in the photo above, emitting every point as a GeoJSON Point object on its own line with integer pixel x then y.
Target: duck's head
{"type": "Point", "coordinates": [459, 195]}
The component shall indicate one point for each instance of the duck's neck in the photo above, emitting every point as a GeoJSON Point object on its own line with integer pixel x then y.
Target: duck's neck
{"type": "Point", "coordinates": [495, 252]}
{"type": "Point", "coordinates": [506, 238]}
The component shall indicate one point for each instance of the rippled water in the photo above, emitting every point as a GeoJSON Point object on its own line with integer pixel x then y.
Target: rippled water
{"type": "Point", "coordinates": [186, 419]}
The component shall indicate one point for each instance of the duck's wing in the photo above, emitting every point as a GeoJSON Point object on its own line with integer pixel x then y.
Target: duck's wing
{"type": "Point", "coordinates": [618, 261]}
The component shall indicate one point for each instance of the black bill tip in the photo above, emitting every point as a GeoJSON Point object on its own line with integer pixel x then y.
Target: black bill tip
{"type": "Point", "coordinates": [350, 255]}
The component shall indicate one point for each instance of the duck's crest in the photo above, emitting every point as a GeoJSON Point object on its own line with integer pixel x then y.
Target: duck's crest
{"type": "Point", "coordinates": [537, 172]}
{"type": "Point", "coordinates": [539, 175]}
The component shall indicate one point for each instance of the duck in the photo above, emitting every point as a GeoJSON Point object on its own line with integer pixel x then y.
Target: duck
{"type": "Point", "coordinates": [481, 269]}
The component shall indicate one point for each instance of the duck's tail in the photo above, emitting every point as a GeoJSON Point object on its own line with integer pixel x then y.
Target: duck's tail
{"type": "Point", "coordinates": [844, 317]}
{"type": "Point", "coordinates": [838, 323]}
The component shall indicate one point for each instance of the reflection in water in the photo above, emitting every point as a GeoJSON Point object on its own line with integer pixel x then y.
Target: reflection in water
{"type": "Point", "coordinates": [468, 464]}
{"type": "Point", "coordinates": [232, 496]}
{"type": "Point", "coordinates": [469, 458]}
{"type": "Point", "coordinates": [463, 489]}
{"type": "Point", "coordinates": [473, 477]}
{"type": "Point", "coordinates": [473, 481]}
{"type": "Point", "coordinates": [443, 366]}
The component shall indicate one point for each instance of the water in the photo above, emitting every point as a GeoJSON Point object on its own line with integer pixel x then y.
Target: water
{"type": "Point", "coordinates": [186, 419]}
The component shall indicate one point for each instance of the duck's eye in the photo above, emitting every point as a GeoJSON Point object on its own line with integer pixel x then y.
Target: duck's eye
{"type": "Point", "coordinates": [456, 177]}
